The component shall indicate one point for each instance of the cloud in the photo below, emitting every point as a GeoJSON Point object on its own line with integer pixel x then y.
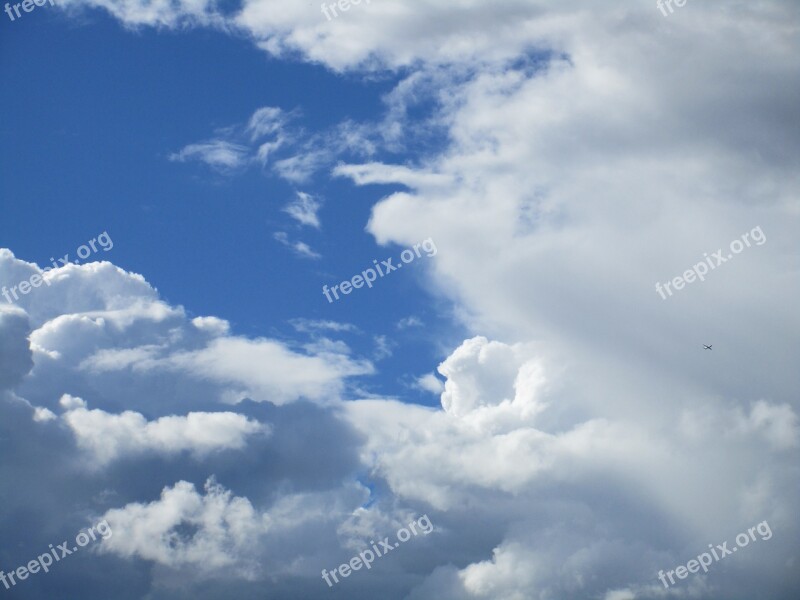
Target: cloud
{"type": "Point", "coordinates": [375, 173]}
{"type": "Point", "coordinates": [264, 121]}
{"type": "Point", "coordinates": [108, 437]}
{"type": "Point", "coordinates": [214, 531]}
{"type": "Point", "coordinates": [429, 383]}
{"type": "Point", "coordinates": [315, 325]}
{"type": "Point", "coordinates": [15, 355]}
{"type": "Point", "coordinates": [290, 152]}
{"type": "Point", "coordinates": [299, 168]}
{"type": "Point", "coordinates": [409, 322]}
{"type": "Point", "coordinates": [304, 209]}
{"type": "Point", "coordinates": [219, 154]}
{"type": "Point", "coordinates": [393, 35]}
{"type": "Point", "coordinates": [384, 347]}
{"type": "Point", "coordinates": [178, 14]}
{"type": "Point", "coordinates": [212, 325]}
{"type": "Point", "coordinates": [296, 155]}
{"type": "Point", "coordinates": [504, 441]}
{"type": "Point", "coordinates": [265, 369]}
{"type": "Point", "coordinates": [301, 249]}
{"type": "Point", "coordinates": [97, 325]}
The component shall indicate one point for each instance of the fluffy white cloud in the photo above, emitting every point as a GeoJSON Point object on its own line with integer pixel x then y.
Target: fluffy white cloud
{"type": "Point", "coordinates": [108, 436]}
{"type": "Point", "coordinates": [505, 442]}
{"type": "Point", "coordinates": [96, 323]}
{"type": "Point", "coordinates": [482, 373]}
{"type": "Point", "coordinates": [211, 531]}
{"type": "Point", "coordinates": [430, 383]}
{"type": "Point", "coordinates": [267, 369]}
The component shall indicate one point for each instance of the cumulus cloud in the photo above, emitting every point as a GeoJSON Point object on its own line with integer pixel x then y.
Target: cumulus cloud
{"type": "Point", "coordinates": [111, 324]}
{"type": "Point", "coordinates": [184, 528]}
{"type": "Point", "coordinates": [430, 383]}
{"type": "Point", "coordinates": [501, 438]}
{"type": "Point", "coordinates": [108, 436]}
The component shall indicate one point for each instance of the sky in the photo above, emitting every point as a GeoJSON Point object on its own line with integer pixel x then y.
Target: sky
{"type": "Point", "coordinates": [281, 281]}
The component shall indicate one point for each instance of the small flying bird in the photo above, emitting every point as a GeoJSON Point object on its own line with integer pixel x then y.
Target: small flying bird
{"type": "Point", "coordinates": [707, 347]}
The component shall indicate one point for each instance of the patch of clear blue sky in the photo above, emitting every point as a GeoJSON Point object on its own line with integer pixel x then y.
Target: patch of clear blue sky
{"type": "Point", "coordinates": [91, 112]}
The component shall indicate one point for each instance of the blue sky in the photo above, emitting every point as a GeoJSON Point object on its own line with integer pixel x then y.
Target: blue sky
{"type": "Point", "coordinates": [523, 397]}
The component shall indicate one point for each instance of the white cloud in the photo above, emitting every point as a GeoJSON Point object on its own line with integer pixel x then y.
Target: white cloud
{"type": "Point", "coordinates": [430, 383]}
{"type": "Point", "coordinates": [508, 431]}
{"type": "Point", "coordinates": [373, 173]}
{"type": "Point", "coordinates": [267, 370]}
{"type": "Point", "coordinates": [212, 325]}
{"type": "Point", "coordinates": [304, 209]}
{"type": "Point", "coordinates": [409, 322]}
{"type": "Point", "coordinates": [267, 149]}
{"type": "Point", "coordinates": [299, 168]}
{"type": "Point", "coordinates": [264, 121]}
{"type": "Point", "coordinates": [108, 437]}
{"type": "Point", "coordinates": [219, 154]}
{"type": "Point", "coordinates": [299, 248]}
{"type": "Point", "coordinates": [213, 531]}
{"type": "Point", "coordinates": [312, 325]}
{"type": "Point", "coordinates": [42, 415]}
{"type": "Point", "coordinates": [176, 14]}
{"type": "Point", "coordinates": [98, 323]}
{"type": "Point", "coordinates": [393, 34]}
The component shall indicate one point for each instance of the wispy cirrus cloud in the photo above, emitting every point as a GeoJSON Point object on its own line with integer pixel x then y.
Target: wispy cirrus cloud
{"type": "Point", "coordinates": [241, 145]}
{"type": "Point", "coordinates": [221, 155]}
{"type": "Point", "coordinates": [304, 209]}
{"type": "Point", "coordinates": [266, 120]}
{"type": "Point", "coordinates": [300, 248]}
{"type": "Point", "coordinates": [316, 325]}
{"type": "Point", "coordinates": [269, 139]}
